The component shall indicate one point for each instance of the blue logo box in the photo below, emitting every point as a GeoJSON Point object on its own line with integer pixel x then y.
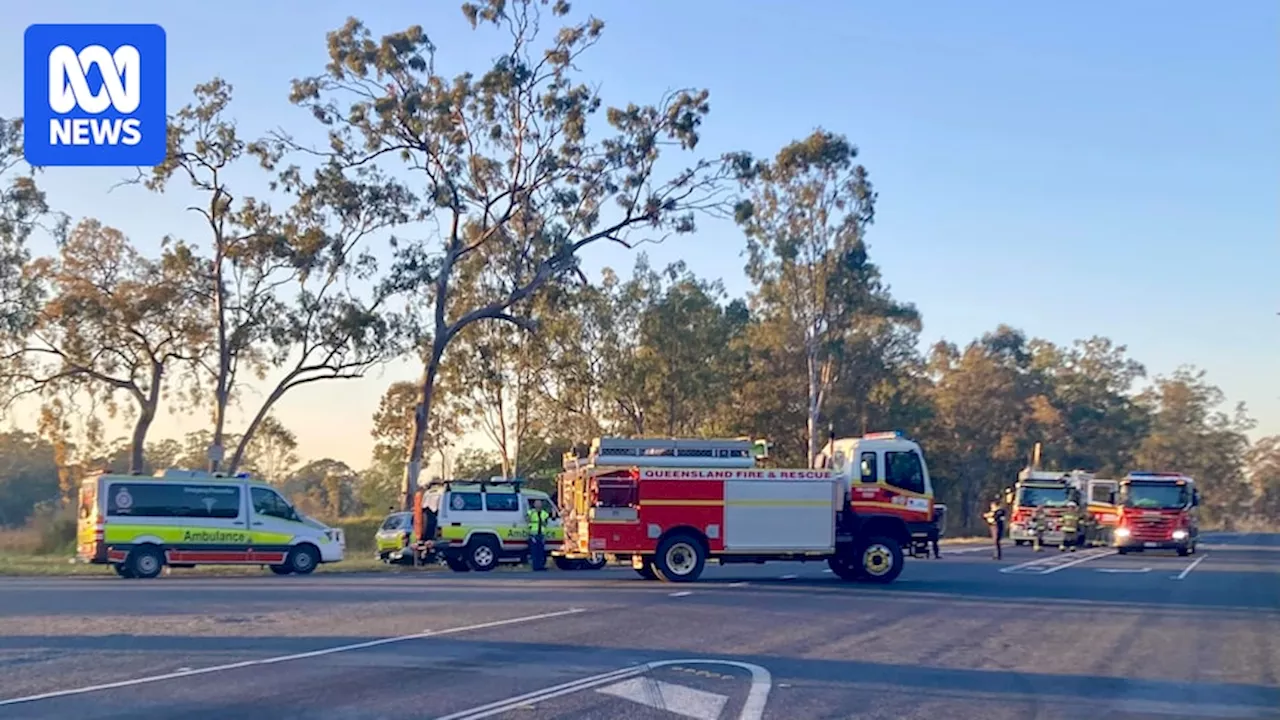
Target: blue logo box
{"type": "Point", "coordinates": [94, 95]}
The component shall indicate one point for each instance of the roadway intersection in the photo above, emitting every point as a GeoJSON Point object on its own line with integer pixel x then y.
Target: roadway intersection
{"type": "Point", "coordinates": [1050, 635]}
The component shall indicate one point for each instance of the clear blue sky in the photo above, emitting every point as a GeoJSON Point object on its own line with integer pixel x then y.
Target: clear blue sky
{"type": "Point", "coordinates": [1068, 168]}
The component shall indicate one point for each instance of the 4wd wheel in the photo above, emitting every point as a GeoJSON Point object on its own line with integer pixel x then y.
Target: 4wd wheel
{"type": "Point", "coordinates": [280, 569]}
{"type": "Point", "coordinates": [880, 559]}
{"type": "Point", "coordinates": [122, 569]}
{"type": "Point", "coordinates": [144, 562]}
{"type": "Point", "coordinates": [303, 559]}
{"type": "Point", "coordinates": [482, 554]}
{"type": "Point", "coordinates": [680, 558]}
{"type": "Point", "coordinates": [457, 564]}
{"type": "Point", "coordinates": [845, 567]}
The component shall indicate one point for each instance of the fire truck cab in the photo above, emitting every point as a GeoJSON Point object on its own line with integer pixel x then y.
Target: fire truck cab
{"type": "Point", "coordinates": [671, 505]}
{"type": "Point", "coordinates": [1158, 510]}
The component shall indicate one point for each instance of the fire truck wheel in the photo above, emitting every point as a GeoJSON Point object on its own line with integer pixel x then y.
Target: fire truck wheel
{"type": "Point", "coordinates": [564, 563]}
{"type": "Point", "coordinates": [646, 572]}
{"type": "Point", "coordinates": [844, 567]}
{"type": "Point", "coordinates": [595, 563]}
{"type": "Point", "coordinates": [1123, 550]}
{"type": "Point", "coordinates": [482, 554]}
{"type": "Point", "coordinates": [1184, 551]}
{"type": "Point", "coordinates": [880, 559]}
{"type": "Point", "coordinates": [680, 558]}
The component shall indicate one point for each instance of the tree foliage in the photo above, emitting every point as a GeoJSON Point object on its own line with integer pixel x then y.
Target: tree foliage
{"type": "Point", "coordinates": [512, 165]}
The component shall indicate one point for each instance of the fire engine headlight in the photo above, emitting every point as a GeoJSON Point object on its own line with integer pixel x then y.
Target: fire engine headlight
{"type": "Point", "coordinates": [1122, 532]}
{"type": "Point", "coordinates": [1179, 534]}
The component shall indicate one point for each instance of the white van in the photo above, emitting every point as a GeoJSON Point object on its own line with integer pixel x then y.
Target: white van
{"type": "Point", "coordinates": [183, 518]}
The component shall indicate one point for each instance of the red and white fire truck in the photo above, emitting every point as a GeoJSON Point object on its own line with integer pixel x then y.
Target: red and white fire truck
{"type": "Point", "coordinates": [1158, 510]}
{"type": "Point", "coordinates": [671, 505]}
{"type": "Point", "coordinates": [1048, 492]}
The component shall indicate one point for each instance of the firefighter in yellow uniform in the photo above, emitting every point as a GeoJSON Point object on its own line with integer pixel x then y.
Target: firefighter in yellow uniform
{"type": "Point", "coordinates": [1039, 524]}
{"type": "Point", "coordinates": [1070, 527]}
{"type": "Point", "coordinates": [538, 519]}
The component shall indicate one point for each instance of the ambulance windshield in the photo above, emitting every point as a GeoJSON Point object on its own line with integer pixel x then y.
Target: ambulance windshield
{"type": "Point", "coordinates": [1043, 497]}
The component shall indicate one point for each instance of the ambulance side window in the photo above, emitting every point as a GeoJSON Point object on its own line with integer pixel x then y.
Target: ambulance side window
{"type": "Point", "coordinates": [465, 502]}
{"type": "Point", "coordinates": [870, 473]}
{"type": "Point", "coordinates": [904, 470]}
{"type": "Point", "coordinates": [502, 502]}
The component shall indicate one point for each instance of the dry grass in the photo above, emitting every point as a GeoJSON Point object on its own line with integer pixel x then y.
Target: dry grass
{"type": "Point", "coordinates": [20, 541]}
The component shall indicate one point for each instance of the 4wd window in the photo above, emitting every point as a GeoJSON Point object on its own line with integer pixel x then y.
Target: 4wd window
{"type": "Point", "coordinates": [904, 470]}
{"type": "Point", "coordinates": [176, 500]}
{"type": "Point", "coordinates": [393, 522]}
{"type": "Point", "coordinates": [269, 503]}
{"type": "Point", "coordinates": [502, 502]}
{"type": "Point", "coordinates": [868, 468]}
{"type": "Point", "coordinates": [465, 502]}
{"type": "Point", "coordinates": [1101, 494]}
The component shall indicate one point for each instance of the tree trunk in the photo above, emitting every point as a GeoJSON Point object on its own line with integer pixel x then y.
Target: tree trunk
{"type": "Point", "coordinates": [417, 444]}
{"type": "Point", "coordinates": [243, 445]}
{"type": "Point", "coordinates": [221, 391]}
{"type": "Point", "coordinates": [147, 405]}
{"type": "Point", "coordinates": [811, 419]}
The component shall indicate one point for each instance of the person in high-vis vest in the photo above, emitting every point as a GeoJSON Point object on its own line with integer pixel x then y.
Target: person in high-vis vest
{"type": "Point", "coordinates": [1070, 527]}
{"type": "Point", "coordinates": [1039, 525]}
{"type": "Point", "coordinates": [996, 518]}
{"type": "Point", "coordinates": [538, 519]}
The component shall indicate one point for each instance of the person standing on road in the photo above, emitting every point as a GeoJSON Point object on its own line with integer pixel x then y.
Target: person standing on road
{"type": "Point", "coordinates": [538, 519]}
{"type": "Point", "coordinates": [1039, 524]}
{"type": "Point", "coordinates": [995, 517]}
{"type": "Point", "coordinates": [1070, 528]}
{"type": "Point", "coordinates": [935, 530]}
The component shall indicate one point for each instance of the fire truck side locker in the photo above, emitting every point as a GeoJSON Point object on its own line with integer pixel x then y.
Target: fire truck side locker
{"type": "Point", "coordinates": [789, 516]}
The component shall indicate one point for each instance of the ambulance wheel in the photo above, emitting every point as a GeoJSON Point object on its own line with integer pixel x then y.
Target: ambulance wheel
{"type": "Point", "coordinates": [482, 554]}
{"type": "Point", "coordinates": [122, 569]}
{"type": "Point", "coordinates": [303, 559]}
{"type": "Point", "coordinates": [880, 559]}
{"type": "Point", "coordinates": [457, 564]}
{"type": "Point", "coordinates": [280, 569]}
{"type": "Point", "coordinates": [680, 558]}
{"type": "Point", "coordinates": [144, 562]}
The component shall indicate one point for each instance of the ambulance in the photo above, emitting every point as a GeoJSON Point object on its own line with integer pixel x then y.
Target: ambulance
{"type": "Point", "coordinates": [138, 524]}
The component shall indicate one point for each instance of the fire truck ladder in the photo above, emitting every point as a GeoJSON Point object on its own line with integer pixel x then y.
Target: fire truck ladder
{"type": "Point", "coordinates": [670, 452]}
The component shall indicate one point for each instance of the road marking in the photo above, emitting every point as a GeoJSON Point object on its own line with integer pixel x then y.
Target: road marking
{"type": "Point", "coordinates": [752, 709]}
{"type": "Point", "coordinates": [788, 577]}
{"type": "Point", "coordinates": [1124, 570]}
{"type": "Point", "coordinates": [288, 658]}
{"type": "Point", "coordinates": [828, 570]}
{"type": "Point", "coordinates": [1079, 561]}
{"type": "Point", "coordinates": [682, 593]}
{"type": "Point", "coordinates": [738, 584]}
{"type": "Point", "coordinates": [1054, 563]}
{"type": "Point", "coordinates": [1202, 710]}
{"type": "Point", "coordinates": [966, 550]}
{"type": "Point", "coordinates": [678, 699]}
{"type": "Point", "coordinates": [1190, 567]}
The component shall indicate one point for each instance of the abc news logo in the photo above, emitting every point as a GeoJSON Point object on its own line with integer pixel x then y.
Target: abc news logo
{"type": "Point", "coordinates": [69, 89]}
{"type": "Point", "coordinates": [94, 95]}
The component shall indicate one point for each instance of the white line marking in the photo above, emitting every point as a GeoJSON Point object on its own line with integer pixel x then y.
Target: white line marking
{"type": "Point", "coordinates": [678, 699]}
{"type": "Point", "coordinates": [1124, 570]}
{"type": "Point", "coordinates": [1190, 567]}
{"type": "Point", "coordinates": [1078, 561]}
{"type": "Point", "coordinates": [788, 577]}
{"type": "Point", "coordinates": [960, 551]}
{"type": "Point", "coordinates": [752, 709]}
{"type": "Point", "coordinates": [738, 584]}
{"type": "Point", "coordinates": [288, 658]}
{"type": "Point", "coordinates": [828, 570]}
{"type": "Point", "coordinates": [682, 593]}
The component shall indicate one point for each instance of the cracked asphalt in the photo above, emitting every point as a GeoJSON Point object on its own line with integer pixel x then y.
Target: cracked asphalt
{"type": "Point", "coordinates": [1041, 636]}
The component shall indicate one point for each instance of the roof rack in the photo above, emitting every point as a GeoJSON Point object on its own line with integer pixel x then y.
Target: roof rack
{"type": "Point", "coordinates": [484, 483]}
{"type": "Point", "coordinates": [668, 452]}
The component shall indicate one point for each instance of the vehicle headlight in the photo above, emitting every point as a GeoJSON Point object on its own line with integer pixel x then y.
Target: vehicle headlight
{"type": "Point", "coordinates": [1179, 534]}
{"type": "Point", "coordinates": [1122, 532]}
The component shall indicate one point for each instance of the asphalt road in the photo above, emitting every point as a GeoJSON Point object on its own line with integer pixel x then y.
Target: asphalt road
{"type": "Point", "coordinates": [1090, 635]}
